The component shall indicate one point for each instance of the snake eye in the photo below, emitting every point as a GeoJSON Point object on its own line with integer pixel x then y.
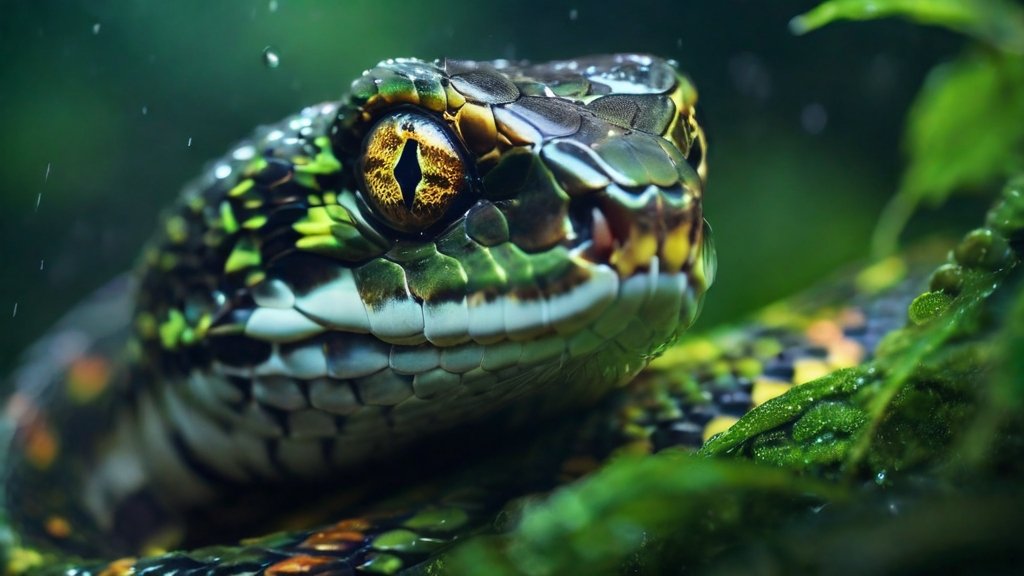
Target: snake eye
{"type": "Point", "coordinates": [411, 170]}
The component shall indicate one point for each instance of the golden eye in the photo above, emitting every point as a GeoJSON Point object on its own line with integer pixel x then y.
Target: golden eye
{"type": "Point", "coordinates": [411, 170]}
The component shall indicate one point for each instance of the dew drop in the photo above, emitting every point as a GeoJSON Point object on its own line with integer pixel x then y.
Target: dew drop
{"type": "Point", "coordinates": [271, 59]}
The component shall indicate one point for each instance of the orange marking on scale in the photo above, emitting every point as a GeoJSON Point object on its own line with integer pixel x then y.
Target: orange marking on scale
{"type": "Point", "coordinates": [41, 445]}
{"type": "Point", "coordinates": [333, 540]}
{"type": "Point", "coordinates": [298, 565]}
{"type": "Point", "coordinates": [824, 332]}
{"type": "Point", "coordinates": [58, 527]}
{"type": "Point", "coordinates": [88, 377]}
{"type": "Point", "coordinates": [120, 567]}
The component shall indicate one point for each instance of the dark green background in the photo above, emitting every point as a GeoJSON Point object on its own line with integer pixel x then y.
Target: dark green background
{"type": "Point", "coordinates": [108, 95]}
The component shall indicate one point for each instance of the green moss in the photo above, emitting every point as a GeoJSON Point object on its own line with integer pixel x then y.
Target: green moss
{"type": "Point", "coordinates": [928, 306]}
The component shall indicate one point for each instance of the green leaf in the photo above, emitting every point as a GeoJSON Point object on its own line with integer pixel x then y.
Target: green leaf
{"type": "Point", "coordinates": [966, 128]}
{"type": "Point", "coordinates": [857, 419]}
{"type": "Point", "coordinates": [619, 514]}
{"type": "Point", "coordinates": [1005, 397]}
{"type": "Point", "coordinates": [965, 131]}
{"type": "Point", "coordinates": [999, 23]}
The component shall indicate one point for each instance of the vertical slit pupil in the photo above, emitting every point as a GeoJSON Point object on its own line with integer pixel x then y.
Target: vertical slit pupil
{"type": "Point", "coordinates": [408, 173]}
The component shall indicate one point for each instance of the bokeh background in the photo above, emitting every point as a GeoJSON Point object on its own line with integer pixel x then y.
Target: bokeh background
{"type": "Point", "coordinates": [106, 108]}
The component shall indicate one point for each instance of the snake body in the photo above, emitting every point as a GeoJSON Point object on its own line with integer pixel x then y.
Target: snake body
{"type": "Point", "coordinates": [391, 290]}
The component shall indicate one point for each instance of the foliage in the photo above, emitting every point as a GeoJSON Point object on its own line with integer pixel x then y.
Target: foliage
{"type": "Point", "coordinates": [996, 22]}
{"type": "Point", "coordinates": [966, 129]}
{"type": "Point", "coordinates": [622, 514]}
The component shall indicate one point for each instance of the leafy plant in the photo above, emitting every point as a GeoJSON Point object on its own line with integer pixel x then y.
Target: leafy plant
{"type": "Point", "coordinates": [965, 130]}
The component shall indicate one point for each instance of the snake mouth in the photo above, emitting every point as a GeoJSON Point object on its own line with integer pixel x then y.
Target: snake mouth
{"type": "Point", "coordinates": [633, 232]}
{"type": "Point", "coordinates": [597, 235]}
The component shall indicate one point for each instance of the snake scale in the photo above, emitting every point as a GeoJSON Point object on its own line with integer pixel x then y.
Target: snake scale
{"type": "Point", "coordinates": [380, 301]}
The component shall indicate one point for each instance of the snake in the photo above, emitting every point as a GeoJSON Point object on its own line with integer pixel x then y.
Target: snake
{"type": "Point", "coordinates": [366, 329]}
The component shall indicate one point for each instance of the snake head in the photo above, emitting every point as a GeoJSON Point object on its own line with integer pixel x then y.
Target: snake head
{"type": "Point", "coordinates": [449, 240]}
{"type": "Point", "coordinates": [601, 155]}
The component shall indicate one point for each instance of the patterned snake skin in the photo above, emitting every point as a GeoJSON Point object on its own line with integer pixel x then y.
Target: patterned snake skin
{"type": "Point", "coordinates": [403, 309]}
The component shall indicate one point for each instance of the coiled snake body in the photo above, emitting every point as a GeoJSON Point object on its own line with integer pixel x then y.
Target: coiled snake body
{"type": "Point", "coordinates": [369, 295]}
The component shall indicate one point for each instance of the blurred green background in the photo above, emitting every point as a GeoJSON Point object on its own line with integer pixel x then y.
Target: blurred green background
{"type": "Point", "coordinates": [107, 108]}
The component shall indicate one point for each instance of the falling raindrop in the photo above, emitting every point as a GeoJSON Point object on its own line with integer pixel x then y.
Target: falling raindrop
{"type": "Point", "coordinates": [574, 14]}
{"type": "Point", "coordinates": [46, 176]}
{"type": "Point", "coordinates": [273, 6]}
{"type": "Point", "coordinates": [271, 59]}
{"type": "Point", "coordinates": [189, 145]}
{"type": "Point", "coordinates": [15, 313]}
{"type": "Point", "coordinates": [96, 28]}
{"type": "Point", "coordinates": [41, 262]}
{"type": "Point", "coordinates": [145, 110]}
